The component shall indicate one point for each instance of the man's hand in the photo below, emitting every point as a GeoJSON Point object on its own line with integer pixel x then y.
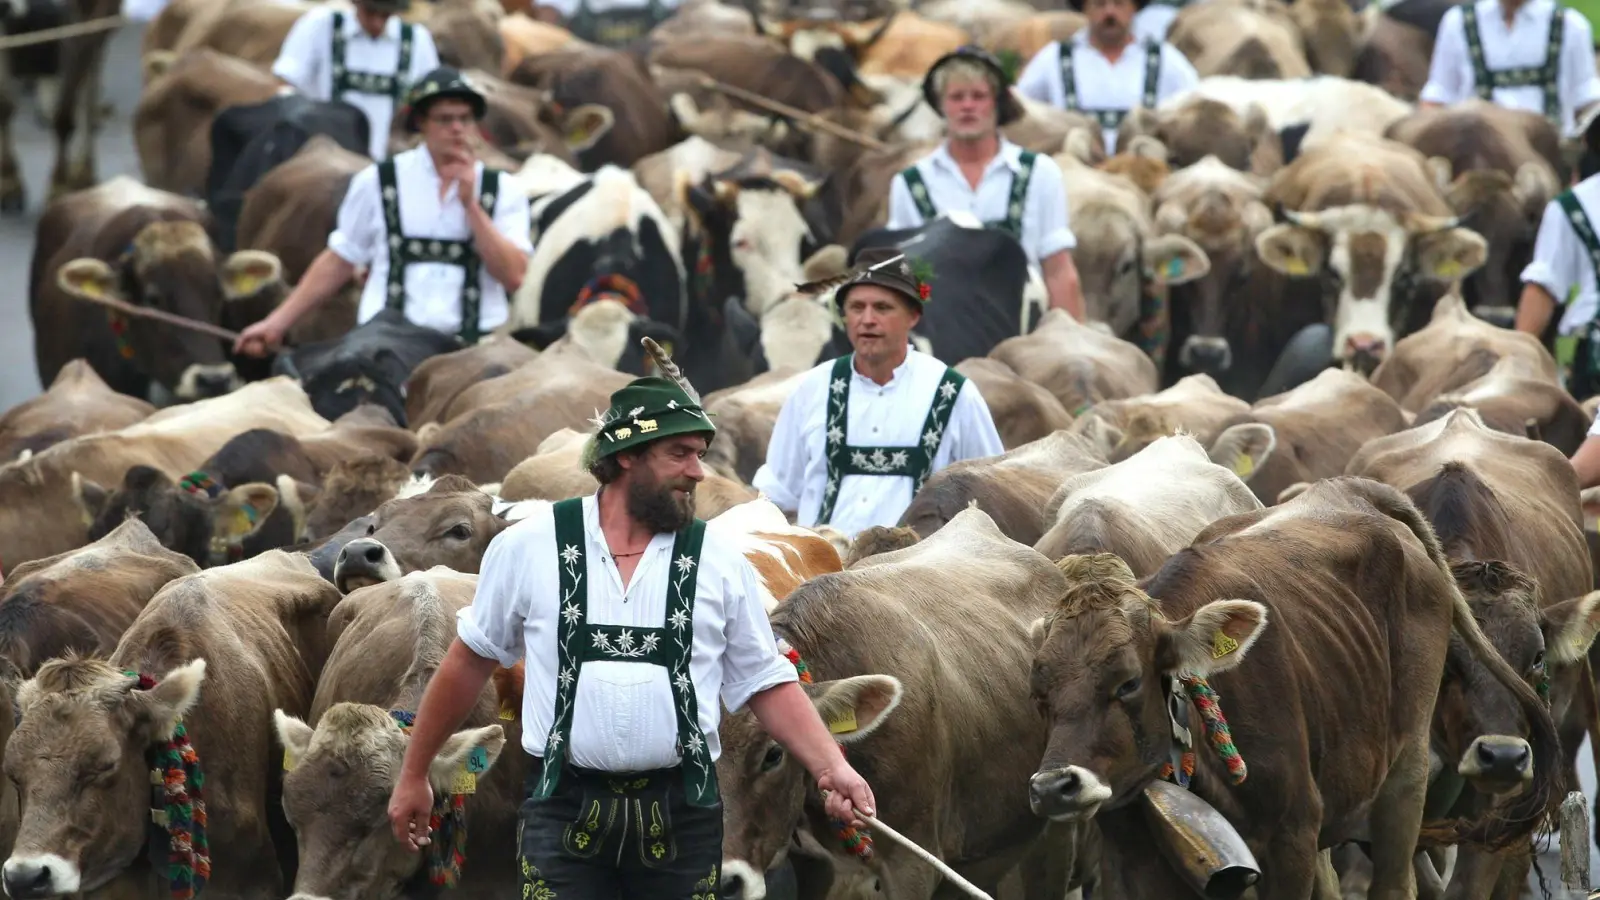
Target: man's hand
{"type": "Point", "coordinates": [409, 809]}
{"type": "Point", "coordinates": [265, 336]}
{"type": "Point", "coordinates": [845, 792]}
{"type": "Point", "coordinates": [460, 169]}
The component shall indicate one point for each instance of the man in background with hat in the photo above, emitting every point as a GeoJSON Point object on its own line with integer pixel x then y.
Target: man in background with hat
{"type": "Point", "coordinates": [369, 60]}
{"type": "Point", "coordinates": [976, 170]}
{"type": "Point", "coordinates": [860, 435]}
{"type": "Point", "coordinates": [442, 241]}
{"type": "Point", "coordinates": [1103, 71]}
{"type": "Point", "coordinates": [636, 626]}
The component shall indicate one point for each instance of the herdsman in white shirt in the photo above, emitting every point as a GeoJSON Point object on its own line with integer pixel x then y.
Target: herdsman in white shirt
{"type": "Point", "coordinates": [636, 627]}
{"type": "Point", "coordinates": [860, 435]}
{"type": "Point", "coordinates": [1518, 54]}
{"type": "Point", "coordinates": [369, 59]}
{"type": "Point", "coordinates": [442, 242]}
{"type": "Point", "coordinates": [1104, 71]}
{"type": "Point", "coordinates": [976, 170]}
{"type": "Point", "coordinates": [610, 23]}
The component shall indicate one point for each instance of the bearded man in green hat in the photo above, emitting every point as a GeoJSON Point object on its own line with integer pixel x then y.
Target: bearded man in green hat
{"type": "Point", "coordinates": [635, 628]}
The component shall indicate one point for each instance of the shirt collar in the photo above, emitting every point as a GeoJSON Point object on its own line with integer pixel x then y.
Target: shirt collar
{"type": "Point", "coordinates": [1080, 38]}
{"type": "Point", "coordinates": [1009, 156]}
{"type": "Point", "coordinates": [897, 378]}
{"type": "Point", "coordinates": [354, 31]}
{"type": "Point", "coordinates": [1526, 13]}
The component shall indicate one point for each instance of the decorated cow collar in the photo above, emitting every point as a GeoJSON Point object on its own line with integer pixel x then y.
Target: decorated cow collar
{"type": "Point", "coordinates": [179, 850]}
{"type": "Point", "coordinates": [856, 841]}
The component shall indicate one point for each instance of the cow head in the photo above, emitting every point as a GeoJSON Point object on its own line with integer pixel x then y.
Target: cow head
{"type": "Point", "coordinates": [1204, 127]}
{"type": "Point", "coordinates": [1505, 211]}
{"type": "Point", "coordinates": [352, 488]}
{"type": "Point", "coordinates": [1102, 669]}
{"type": "Point", "coordinates": [173, 267]}
{"type": "Point", "coordinates": [201, 520]}
{"type": "Point", "coordinates": [450, 524]}
{"type": "Point", "coordinates": [1363, 248]}
{"type": "Point", "coordinates": [336, 795]}
{"type": "Point", "coordinates": [1119, 260]}
{"type": "Point", "coordinates": [78, 760]}
{"type": "Point", "coordinates": [764, 788]}
{"type": "Point", "coordinates": [756, 233]}
{"type": "Point", "coordinates": [724, 122]}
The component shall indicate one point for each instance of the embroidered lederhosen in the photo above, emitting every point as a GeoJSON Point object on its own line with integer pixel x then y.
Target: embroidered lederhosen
{"type": "Point", "coordinates": [1547, 77]}
{"type": "Point", "coordinates": [670, 646]}
{"type": "Point", "coordinates": [1585, 380]}
{"type": "Point", "coordinates": [914, 462]}
{"type": "Point", "coordinates": [1111, 119]}
{"type": "Point", "coordinates": [404, 250]}
{"type": "Point", "coordinates": [617, 26]}
{"type": "Point", "coordinates": [347, 82]}
{"type": "Point", "coordinates": [1016, 201]}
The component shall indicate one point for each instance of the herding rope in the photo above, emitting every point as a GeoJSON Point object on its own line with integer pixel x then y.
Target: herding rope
{"type": "Point", "coordinates": [62, 32]}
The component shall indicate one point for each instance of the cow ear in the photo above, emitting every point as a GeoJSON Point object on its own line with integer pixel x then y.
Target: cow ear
{"type": "Point", "coordinates": [294, 735]}
{"type": "Point", "coordinates": [465, 756]}
{"type": "Point", "coordinates": [1450, 254]}
{"type": "Point", "coordinates": [248, 272]}
{"type": "Point", "coordinates": [854, 707]}
{"type": "Point", "coordinates": [90, 497]}
{"type": "Point", "coordinates": [172, 697]}
{"type": "Point", "coordinates": [1100, 432]}
{"type": "Point", "coordinates": [1589, 499]}
{"type": "Point", "coordinates": [1079, 144]}
{"type": "Point", "coordinates": [1148, 147]}
{"type": "Point", "coordinates": [89, 278]}
{"type": "Point", "coordinates": [1174, 259]}
{"type": "Point", "coordinates": [1037, 632]}
{"type": "Point", "coordinates": [825, 263]}
{"type": "Point", "coordinates": [583, 126]}
{"type": "Point", "coordinates": [1292, 250]}
{"type": "Point", "coordinates": [1292, 491]}
{"type": "Point", "coordinates": [1214, 638]}
{"type": "Point", "coordinates": [1569, 628]}
{"type": "Point", "coordinates": [1534, 186]}
{"type": "Point", "coordinates": [1244, 447]}
{"type": "Point", "coordinates": [243, 510]}
{"type": "Point", "coordinates": [685, 110]}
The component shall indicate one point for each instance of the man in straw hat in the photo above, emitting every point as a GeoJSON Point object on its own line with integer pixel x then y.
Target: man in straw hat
{"type": "Point", "coordinates": [1104, 71]}
{"type": "Point", "coordinates": [441, 242]}
{"type": "Point", "coordinates": [368, 59]}
{"type": "Point", "coordinates": [636, 627]}
{"type": "Point", "coordinates": [976, 170]}
{"type": "Point", "coordinates": [860, 435]}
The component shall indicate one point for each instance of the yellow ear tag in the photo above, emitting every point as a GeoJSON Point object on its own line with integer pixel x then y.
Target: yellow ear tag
{"type": "Point", "coordinates": [1222, 645]}
{"type": "Point", "coordinates": [242, 523]}
{"type": "Point", "coordinates": [844, 723]}
{"type": "Point", "coordinates": [507, 714]}
{"type": "Point", "coordinates": [1243, 465]}
{"type": "Point", "coordinates": [288, 759]}
{"type": "Point", "coordinates": [245, 284]}
{"type": "Point", "coordinates": [1297, 266]}
{"type": "Point", "coordinates": [463, 782]}
{"type": "Point", "coordinates": [1449, 269]}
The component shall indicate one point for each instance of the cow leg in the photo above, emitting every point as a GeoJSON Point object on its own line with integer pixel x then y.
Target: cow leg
{"type": "Point", "coordinates": [1475, 875]}
{"type": "Point", "coordinates": [1395, 820]}
{"type": "Point", "coordinates": [13, 196]}
{"type": "Point", "coordinates": [77, 121]}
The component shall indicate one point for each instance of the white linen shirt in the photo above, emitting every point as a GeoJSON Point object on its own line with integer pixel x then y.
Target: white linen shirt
{"type": "Point", "coordinates": [306, 61]}
{"type": "Point", "coordinates": [1101, 84]}
{"type": "Point", "coordinates": [1045, 229]}
{"type": "Point", "coordinates": [889, 415]}
{"type": "Point", "coordinates": [569, 8]}
{"type": "Point", "coordinates": [433, 290]}
{"type": "Point", "coordinates": [1153, 22]}
{"type": "Point", "coordinates": [623, 715]}
{"type": "Point", "coordinates": [1450, 76]}
{"type": "Point", "coordinates": [1561, 262]}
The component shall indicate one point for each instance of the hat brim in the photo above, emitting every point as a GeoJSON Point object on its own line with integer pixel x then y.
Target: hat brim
{"type": "Point", "coordinates": [839, 295]}
{"type": "Point", "coordinates": [388, 6]}
{"type": "Point", "coordinates": [480, 106]}
{"type": "Point", "coordinates": [1009, 108]}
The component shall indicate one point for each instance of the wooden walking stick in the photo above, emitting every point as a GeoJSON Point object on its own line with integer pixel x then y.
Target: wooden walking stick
{"type": "Point", "coordinates": [160, 315]}
{"type": "Point", "coordinates": [949, 874]}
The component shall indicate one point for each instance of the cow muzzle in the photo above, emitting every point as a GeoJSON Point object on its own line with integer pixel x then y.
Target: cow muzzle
{"type": "Point", "coordinates": [1497, 762]}
{"type": "Point", "coordinates": [201, 381]}
{"type": "Point", "coordinates": [741, 881]}
{"type": "Point", "coordinates": [34, 877]}
{"type": "Point", "coordinates": [1206, 355]}
{"type": "Point", "coordinates": [363, 563]}
{"type": "Point", "coordinates": [1068, 794]}
{"type": "Point", "coordinates": [1363, 352]}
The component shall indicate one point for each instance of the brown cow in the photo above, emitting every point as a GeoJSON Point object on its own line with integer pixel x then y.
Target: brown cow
{"type": "Point", "coordinates": [1434, 359]}
{"type": "Point", "coordinates": [1023, 411]}
{"type": "Point", "coordinates": [172, 124]}
{"type": "Point", "coordinates": [1236, 37]}
{"type": "Point", "coordinates": [449, 524]}
{"type": "Point", "coordinates": [1330, 567]}
{"type": "Point", "coordinates": [251, 32]}
{"type": "Point", "coordinates": [600, 77]}
{"type": "Point", "coordinates": [746, 415]}
{"type": "Point", "coordinates": [437, 381]}
{"type": "Point", "coordinates": [1195, 405]}
{"type": "Point", "coordinates": [79, 754]}
{"type": "Point", "coordinates": [78, 402]}
{"type": "Point", "coordinates": [1201, 126]}
{"type": "Point", "coordinates": [350, 490]}
{"type": "Point", "coordinates": [147, 248]}
{"type": "Point", "coordinates": [390, 640]}
{"type": "Point", "coordinates": [1513, 396]}
{"type": "Point", "coordinates": [554, 472]}
{"type": "Point", "coordinates": [1079, 364]}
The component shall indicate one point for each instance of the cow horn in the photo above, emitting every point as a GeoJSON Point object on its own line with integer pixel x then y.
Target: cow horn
{"type": "Point", "coordinates": [1303, 219]}
{"type": "Point", "coordinates": [1422, 223]}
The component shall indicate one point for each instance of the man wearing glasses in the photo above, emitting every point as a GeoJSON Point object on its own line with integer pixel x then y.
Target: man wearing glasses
{"type": "Point", "coordinates": [443, 244]}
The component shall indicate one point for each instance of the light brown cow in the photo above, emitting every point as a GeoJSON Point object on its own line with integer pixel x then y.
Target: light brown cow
{"type": "Point", "coordinates": [523, 37]}
{"type": "Point", "coordinates": [1195, 406]}
{"type": "Point", "coordinates": [1361, 208]}
{"type": "Point", "coordinates": [1332, 32]}
{"type": "Point", "coordinates": [1514, 397]}
{"type": "Point", "coordinates": [1201, 126]}
{"type": "Point", "coordinates": [891, 644]}
{"type": "Point", "coordinates": [554, 472]}
{"type": "Point", "coordinates": [1080, 364]}
{"type": "Point", "coordinates": [1023, 411]}
{"type": "Point", "coordinates": [350, 490]}
{"type": "Point", "coordinates": [438, 380]}
{"type": "Point", "coordinates": [78, 402]}
{"type": "Point", "coordinates": [1026, 37]}
{"type": "Point", "coordinates": [1433, 360]}
{"type": "Point", "coordinates": [1264, 604]}
{"type": "Point", "coordinates": [1324, 105]}
{"type": "Point", "coordinates": [450, 524]}
{"type": "Point", "coordinates": [784, 556]}
{"type": "Point", "coordinates": [172, 124]}
{"type": "Point", "coordinates": [79, 753]}
{"type": "Point", "coordinates": [390, 640]}
{"type": "Point", "coordinates": [1236, 37]}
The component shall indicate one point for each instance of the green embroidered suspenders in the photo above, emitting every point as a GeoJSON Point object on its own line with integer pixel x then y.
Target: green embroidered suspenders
{"type": "Point", "coordinates": [404, 251]}
{"type": "Point", "coordinates": [1547, 78]}
{"type": "Point", "coordinates": [915, 462]}
{"type": "Point", "coordinates": [1111, 118]}
{"type": "Point", "coordinates": [348, 82]}
{"type": "Point", "coordinates": [671, 646]}
{"type": "Point", "coordinates": [1016, 201]}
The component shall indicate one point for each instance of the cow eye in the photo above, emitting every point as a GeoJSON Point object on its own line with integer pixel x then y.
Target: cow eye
{"type": "Point", "coordinates": [459, 533]}
{"type": "Point", "coordinates": [372, 529]}
{"type": "Point", "coordinates": [1130, 687]}
{"type": "Point", "coordinates": [772, 759]}
{"type": "Point", "coordinates": [1538, 660]}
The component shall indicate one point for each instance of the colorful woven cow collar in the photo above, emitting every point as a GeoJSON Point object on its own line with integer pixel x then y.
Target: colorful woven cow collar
{"type": "Point", "coordinates": [858, 841]}
{"type": "Point", "coordinates": [202, 484]}
{"type": "Point", "coordinates": [1209, 705]}
{"type": "Point", "coordinates": [179, 850]}
{"type": "Point", "coordinates": [447, 823]}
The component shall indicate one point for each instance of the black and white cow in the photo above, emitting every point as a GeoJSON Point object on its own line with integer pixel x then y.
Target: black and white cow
{"type": "Point", "coordinates": [369, 364]}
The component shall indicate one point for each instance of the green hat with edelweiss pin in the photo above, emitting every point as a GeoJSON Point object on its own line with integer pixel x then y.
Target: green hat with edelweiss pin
{"type": "Point", "coordinates": [647, 409]}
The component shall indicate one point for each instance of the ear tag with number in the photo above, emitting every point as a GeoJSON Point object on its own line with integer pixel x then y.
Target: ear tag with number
{"type": "Point", "coordinates": [844, 723]}
{"type": "Point", "coordinates": [1222, 645]}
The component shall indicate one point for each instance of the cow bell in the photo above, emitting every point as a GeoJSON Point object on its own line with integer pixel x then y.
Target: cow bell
{"type": "Point", "coordinates": [1199, 843]}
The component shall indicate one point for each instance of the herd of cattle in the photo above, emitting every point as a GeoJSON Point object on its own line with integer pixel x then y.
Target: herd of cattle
{"type": "Point", "coordinates": [1384, 566]}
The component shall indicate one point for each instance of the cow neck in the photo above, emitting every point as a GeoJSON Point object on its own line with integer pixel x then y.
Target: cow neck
{"type": "Point", "coordinates": [856, 841]}
{"type": "Point", "coordinates": [447, 823]}
{"type": "Point", "coordinates": [179, 851]}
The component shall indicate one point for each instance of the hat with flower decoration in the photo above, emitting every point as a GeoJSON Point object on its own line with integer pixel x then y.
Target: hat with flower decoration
{"type": "Point", "coordinates": [886, 267]}
{"type": "Point", "coordinates": [647, 409]}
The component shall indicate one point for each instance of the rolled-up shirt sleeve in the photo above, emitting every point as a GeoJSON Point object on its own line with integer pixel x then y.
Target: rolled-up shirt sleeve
{"type": "Point", "coordinates": [1039, 79]}
{"type": "Point", "coordinates": [359, 229]}
{"type": "Point", "coordinates": [1556, 255]}
{"type": "Point", "coordinates": [1052, 232]}
{"type": "Point", "coordinates": [299, 61]}
{"type": "Point", "coordinates": [492, 627]}
{"type": "Point", "coordinates": [750, 662]}
{"type": "Point", "coordinates": [1450, 72]}
{"type": "Point", "coordinates": [972, 430]}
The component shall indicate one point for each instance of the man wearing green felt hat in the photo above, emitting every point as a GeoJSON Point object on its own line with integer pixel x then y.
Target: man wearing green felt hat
{"type": "Point", "coordinates": [860, 435]}
{"type": "Point", "coordinates": [636, 627]}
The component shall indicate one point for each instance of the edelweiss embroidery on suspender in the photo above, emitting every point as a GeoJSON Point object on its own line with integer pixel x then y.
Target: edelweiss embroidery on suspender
{"type": "Point", "coordinates": [914, 462]}
{"type": "Point", "coordinates": [348, 82]}
{"type": "Point", "coordinates": [1111, 118]}
{"type": "Point", "coordinates": [1546, 77]}
{"type": "Point", "coordinates": [404, 251]}
{"type": "Point", "coordinates": [1016, 201]}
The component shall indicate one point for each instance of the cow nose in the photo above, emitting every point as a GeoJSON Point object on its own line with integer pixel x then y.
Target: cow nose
{"type": "Point", "coordinates": [364, 562]}
{"type": "Point", "coordinates": [1499, 758]}
{"type": "Point", "coordinates": [1365, 351]}
{"type": "Point", "coordinates": [25, 879]}
{"type": "Point", "coordinates": [733, 886]}
{"type": "Point", "coordinates": [1207, 355]}
{"type": "Point", "coordinates": [1067, 792]}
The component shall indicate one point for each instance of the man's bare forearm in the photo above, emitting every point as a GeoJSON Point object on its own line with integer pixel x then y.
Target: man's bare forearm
{"type": "Point", "coordinates": [323, 278]}
{"type": "Point", "coordinates": [450, 697]}
{"type": "Point", "coordinates": [789, 716]}
{"type": "Point", "coordinates": [1061, 283]}
{"type": "Point", "coordinates": [505, 260]}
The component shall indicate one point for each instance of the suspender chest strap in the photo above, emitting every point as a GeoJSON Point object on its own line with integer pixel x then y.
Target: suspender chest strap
{"type": "Point", "coordinates": [1016, 199]}
{"type": "Point", "coordinates": [1583, 227]}
{"type": "Point", "coordinates": [1111, 118]}
{"type": "Point", "coordinates": [348, 82]}
{"type": "Point", "coordinates": [671, 646]}
{"type": "Point", "coordinates": [1546, 77]}
{"type": "Point", "coordinates": [914, 462]}
{"type": "Point", "coordinates": [404, 251]}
